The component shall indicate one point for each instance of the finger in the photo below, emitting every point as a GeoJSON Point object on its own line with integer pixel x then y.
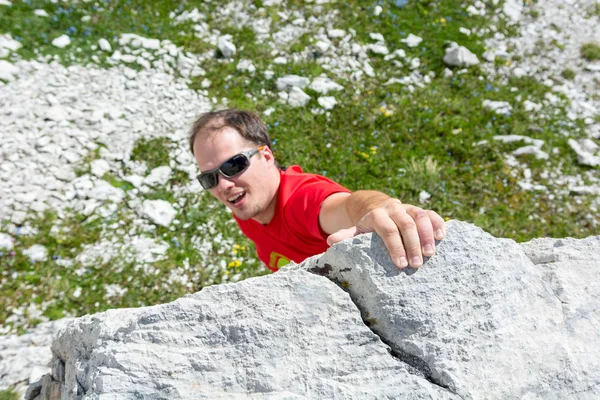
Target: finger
{"type": "Point", "coordinates": [438, 224]}
{"type": "Point", "coordinates": [387, 229]}
{"type": "Point", "coordinates": [340, 235]}
{"type": "Point", "coordinates": [424, 228]}
{"type": "Point", "coordinates": [407, 226]}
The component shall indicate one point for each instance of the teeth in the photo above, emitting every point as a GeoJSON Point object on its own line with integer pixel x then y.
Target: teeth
{"type": "Point", "coordinates": [233, 198]}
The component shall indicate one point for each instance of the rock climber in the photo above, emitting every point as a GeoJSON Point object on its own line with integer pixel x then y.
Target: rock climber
{"type": "Point", "coordinates": [293, 215]}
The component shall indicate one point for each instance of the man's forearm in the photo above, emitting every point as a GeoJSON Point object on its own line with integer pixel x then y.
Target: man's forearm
{"type": "Point", "coordinates": [361, 202]}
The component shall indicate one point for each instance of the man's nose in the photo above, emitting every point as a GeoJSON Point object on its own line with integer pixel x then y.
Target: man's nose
{"type": "Point", "coordinates": [224, 183]}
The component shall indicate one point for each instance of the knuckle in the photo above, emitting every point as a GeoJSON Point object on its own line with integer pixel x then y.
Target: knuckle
{"type": "Point", "coordinates": [420, 214]}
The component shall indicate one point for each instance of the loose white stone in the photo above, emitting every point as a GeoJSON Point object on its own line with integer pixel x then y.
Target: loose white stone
{"type": "Point", "coordinates": [377, 11]}
{"type": "Point", "coordinates": [86, 18]}
{"type": "Point", "coordinates": [460, 57]}
{"type": "Point", "coordinates": [297, 98]}
{"type": "Point", "coordinates": [37, 252]}
{"type": "Point", "coordinates": [464, 31]}
{"type": "Point", "coordinates": [280, 60]}
{"type": "Point", "coordinates": [7, 42]}
{"type": "Point", "coordinates": [61, 41]}
{"type": "Point", "coordinates": [512, 9]}
{"type": "Point", "coordinates": [41, 13]}
{"type": "Point", "coordinates": [424, 197]}
{"type": "Point", "coordinates": [290, 81]}
{"type": "Point", "coordinates": [104, 45]}
{"type": "Point", "coordinates": [531, 106]}
{"type": "Point", "coordinates": [6, 242]}
{"type": "Point", "coordinates": [447, 73]}
{"type": "Point", "coordinates": [99, 167]}
{"type": "Point", "coordinates": [336, 33]}
{"type": "Point", "coordinates": [324, 85]}
{"type": "Point", "coordinates": [159, 211]}
{"type": "Point", "coordinates": [227, 48]}
{"type": "Point", "coordinates": [377, 37]}
{"type": "Point", "coordinates": [7, 71]}
{"type": "Point", "coordinates": [378, 49]}
{"type": "Point", "coordinates": [246, 65]}
{"type": "Point", "coordinates": [158, 176]}
{"type": "Point", "coordinates": [412, 40]}
{"type": "Point", "coordinates": [327, 102]}
{"type": "Point", "coordinates": [499, 107]}
{"type": "Point", "coordinates": [322, 46]}
{"type": "Point", "coordinates": [532, 150]}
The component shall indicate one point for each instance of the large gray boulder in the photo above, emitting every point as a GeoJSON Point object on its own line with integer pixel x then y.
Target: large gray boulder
{"type": "Point", "coordinates": [484, 318]}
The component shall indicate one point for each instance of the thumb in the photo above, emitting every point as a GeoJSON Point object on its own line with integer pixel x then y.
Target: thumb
{"type": "Point", "coordinates": [341, 235]}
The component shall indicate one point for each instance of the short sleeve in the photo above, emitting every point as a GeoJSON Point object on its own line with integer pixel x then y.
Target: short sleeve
{"type": "Point", "coordinates": [302, 210]}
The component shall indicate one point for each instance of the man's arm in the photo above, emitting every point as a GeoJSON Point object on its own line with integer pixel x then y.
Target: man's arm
{"type": "Point", "coordinates": [409, 232]}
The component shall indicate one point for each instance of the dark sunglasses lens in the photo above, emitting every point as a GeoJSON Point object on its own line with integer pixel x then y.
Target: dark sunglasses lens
{"type": "Point", "coordinates": [208, 181]}
{"type": "Point", "coordinates": [235, 165]}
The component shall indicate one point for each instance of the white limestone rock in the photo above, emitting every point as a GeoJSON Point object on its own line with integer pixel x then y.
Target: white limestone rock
{"type": "Point", "coordinates": [460, 56]}
{"type": "Point", "coordinates": [61, 41]}
{"type": "Point", "coordinates": [225, 46]}
{"type": "Point", "coordinates": [412, 40]}
{"type": "Point", "coordinates": [246, 65]}
{"type": "Point", "coordinates": [8, 43]}
{"type": "Point", "coordinates": [290, 81]}
{"type": "Point", "coordinates": [159, 212]}
{"type": "Point", "coordinates": [483, 317]}
{"type": "Point", "coordinates": [8, 71]}
{"type": "Point", "coordinates": [40, 13]}
{"type": "Point", "coordinates": [531, 150]}
{"type": "Point", "coordinates": [587, 152]}
{"type": "Point", "coordinates": [499, 107]}
{"type": "Point", "coordinates": [324, 85]}
{"type": "Point", "coordinates": [297, 97]}
{"type": "Point", "coordinates": [292, 334]}
{"type": "Point", "coordinates": [99, 167]}
{"type": "Point", "coordinates": [104, 45]}
{"type": "Point", "coordinates": [37, 252]}
{"type": "Point", "coordinates": [327, 102]}
{"type": "Point", "coordinates": [158, 176]}
{"type": "Point", "coordinates": [6, 242]}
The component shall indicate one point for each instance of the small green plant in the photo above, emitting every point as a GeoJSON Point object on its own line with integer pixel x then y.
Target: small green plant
{"type": "Point", "coordinates": [8, 395]}
{"type": "Point", "coordinates": [534, 14]}
{"type": "Point", "coordinates": [568, 74]}
{"type": "Point", "coordinates": [590, 51]}
{"type": "Point", "coordinates": [154, 152]}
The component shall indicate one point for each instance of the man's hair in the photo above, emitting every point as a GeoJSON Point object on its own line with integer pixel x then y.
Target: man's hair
{"type": "Point", "coordinates": [247, 123]}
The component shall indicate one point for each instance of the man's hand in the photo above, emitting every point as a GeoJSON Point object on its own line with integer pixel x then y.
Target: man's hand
{"type": "Point", "coordinates": [409, 232]}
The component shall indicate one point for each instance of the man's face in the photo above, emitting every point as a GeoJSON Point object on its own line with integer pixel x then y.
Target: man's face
{"type": "Point", "coordinates": [250, 194]}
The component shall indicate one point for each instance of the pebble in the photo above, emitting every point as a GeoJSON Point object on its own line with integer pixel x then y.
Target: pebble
{"type": "Point", "coordinates": [297, 97]}
{"type": "Point", "coordinates": [459, 56]}
{"type": "Point", "coordinates": [37, 252]}
{"type": "Point", "coordinates": [61, 41]}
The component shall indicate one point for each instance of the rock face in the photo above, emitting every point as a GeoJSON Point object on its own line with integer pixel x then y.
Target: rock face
{"type": "Point", "coordinates": [483, 318]}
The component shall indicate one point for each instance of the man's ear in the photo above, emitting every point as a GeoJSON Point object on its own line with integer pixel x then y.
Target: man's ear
{"type": "Point", "coordinates": [268, 154]}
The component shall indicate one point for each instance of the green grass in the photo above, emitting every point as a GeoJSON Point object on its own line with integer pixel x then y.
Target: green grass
{"type": "Point", "coordinates": [8, 395]}
{"type": "Point", "coordinates": [590, 51]}
{"type": "Point", "coordinates": [378, 137]}
{"type": "Point", "coordinates": [568, 74]}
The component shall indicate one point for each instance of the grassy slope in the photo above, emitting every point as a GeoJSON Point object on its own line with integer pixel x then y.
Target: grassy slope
{"type": "Point", "coordinates": [382, 138]}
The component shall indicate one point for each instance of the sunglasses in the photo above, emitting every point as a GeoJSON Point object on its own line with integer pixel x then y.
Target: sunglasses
{"type": "Point", "coordinates": [230, 168]}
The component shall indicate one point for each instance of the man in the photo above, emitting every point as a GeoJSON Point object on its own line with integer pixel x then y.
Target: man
{"type": "Point", "coordinates": [291, 215]}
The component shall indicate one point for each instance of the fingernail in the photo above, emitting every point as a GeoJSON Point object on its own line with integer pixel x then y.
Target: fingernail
{"type": "Point", "coordinates": [439, 234]}
{"type": "Point", "coordinates": [428, 250]}
{"type": "Point", "coordinates": [402, 262]}
{"type": "Point", "coordinates": [416, 261]}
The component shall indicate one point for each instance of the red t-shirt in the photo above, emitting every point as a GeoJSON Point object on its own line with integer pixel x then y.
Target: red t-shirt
{"type": "Point", "coordinates": [294, 233]}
